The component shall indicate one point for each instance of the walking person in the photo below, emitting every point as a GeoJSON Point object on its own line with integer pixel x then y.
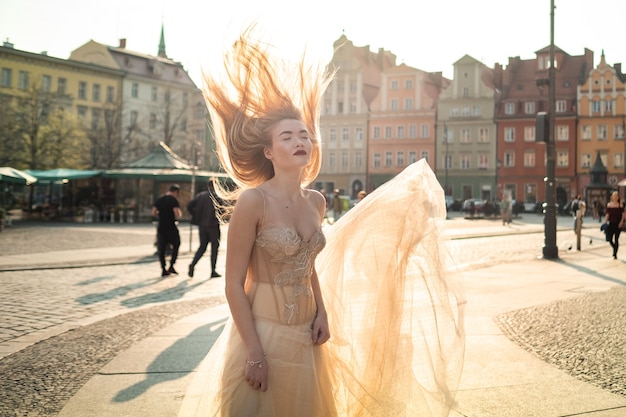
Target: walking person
{"type": "Point", "coordinates": [275, 356]}
{"type": "Point", "coordinates": [204, 214]}
{"type": "Point", "coordinates": [615, 217]}
{"type": "Point", "coordinates": [337, 205]}
{"type": "Point", "coordinates": [167, 209]}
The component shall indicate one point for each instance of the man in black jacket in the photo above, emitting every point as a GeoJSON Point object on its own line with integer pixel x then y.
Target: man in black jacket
{"type": "Point", "coordinates": [167, 209]}
{"type": "Point", "coordinates": [203, 214]}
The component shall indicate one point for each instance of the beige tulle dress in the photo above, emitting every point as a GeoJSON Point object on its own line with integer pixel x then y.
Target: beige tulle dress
{"type": "Point", "coordinates": [396, 321]}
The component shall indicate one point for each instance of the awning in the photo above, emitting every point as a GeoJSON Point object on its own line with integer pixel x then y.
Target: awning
{"type": "Point", "coordinates": [162, 174]}
{"type": "Point", "coordinates": [9, 174]}
{"type": "Point", "coordinates": [62, 174]}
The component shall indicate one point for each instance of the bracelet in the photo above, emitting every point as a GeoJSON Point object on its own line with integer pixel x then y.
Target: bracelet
{"type": "Point", "coordinates": [255, 363]}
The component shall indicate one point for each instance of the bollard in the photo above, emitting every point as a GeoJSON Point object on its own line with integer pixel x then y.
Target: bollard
{"type": "Point", "coordinates": [579, 222]}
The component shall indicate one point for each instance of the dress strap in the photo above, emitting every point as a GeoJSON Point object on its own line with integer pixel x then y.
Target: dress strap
{"type": "Point", "coordinates": [263, 215]}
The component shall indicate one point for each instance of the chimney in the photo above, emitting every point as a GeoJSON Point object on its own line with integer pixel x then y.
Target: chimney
{"type": "Point", "coordinates": [123, 43]}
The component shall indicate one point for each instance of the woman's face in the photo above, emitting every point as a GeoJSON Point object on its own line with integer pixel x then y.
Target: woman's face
{"type": "Point", "coordinates": [291, 144]}
{"type": "Point", "coordinates": [614, 196]}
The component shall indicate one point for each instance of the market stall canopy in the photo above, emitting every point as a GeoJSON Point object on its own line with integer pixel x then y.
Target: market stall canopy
{"type": "Point", "coordinates": [161, 157]}
{"type": "Point", "coordinates": [62, 174]}
{"type": "Point", "coordinates": [622, 183]}
{"type": "Point", "coordinates": [162, 164]}
{"type": "Point", "coordinates": [9, 174]}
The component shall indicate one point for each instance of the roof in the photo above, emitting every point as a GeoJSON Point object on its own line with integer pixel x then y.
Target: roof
{"type": "Point", "coordinates": [162, 157]}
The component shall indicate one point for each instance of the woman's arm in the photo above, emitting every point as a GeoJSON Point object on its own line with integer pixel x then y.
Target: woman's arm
{"type": "Point", "coordinates": [241, 236]}
{"type": "Point", "coordinates": [321, 331]}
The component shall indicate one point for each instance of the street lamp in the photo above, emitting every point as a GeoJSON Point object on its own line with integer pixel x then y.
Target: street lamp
{"type": "Point", "coordinates": [445, 160]}
{"type": "Point", "coordinates": [550, 250]}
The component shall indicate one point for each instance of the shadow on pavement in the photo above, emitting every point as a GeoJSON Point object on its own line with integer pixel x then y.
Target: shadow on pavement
{"type": "Point", "coordinates": [184, 356]}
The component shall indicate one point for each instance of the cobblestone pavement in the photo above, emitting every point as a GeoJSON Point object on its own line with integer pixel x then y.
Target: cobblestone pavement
{"type": "Point", "coordinates": [94, 312]}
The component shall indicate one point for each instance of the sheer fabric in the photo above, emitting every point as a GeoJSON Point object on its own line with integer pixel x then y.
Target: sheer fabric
{"type": "Point", "coordinates": [397, 339]}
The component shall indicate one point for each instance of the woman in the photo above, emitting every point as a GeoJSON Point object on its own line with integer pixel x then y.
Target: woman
{"type": "Point", "coordinates": [276, 357]}
{"type": "Point", "coordinates": [615, 218]}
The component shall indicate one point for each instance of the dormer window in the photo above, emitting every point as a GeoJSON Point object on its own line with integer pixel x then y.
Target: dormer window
{"type": "Point", "coordinates": [543, 62]}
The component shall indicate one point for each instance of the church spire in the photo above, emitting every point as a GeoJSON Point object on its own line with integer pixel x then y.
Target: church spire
{"type": "Point", "coordinates": [162, 53]}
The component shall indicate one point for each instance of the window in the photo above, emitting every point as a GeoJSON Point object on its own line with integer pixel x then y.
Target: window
{"type": "Point", "coordinates": [412, 157]}
{"type": "Point", "coordinates": [595, 106]}
{"type": "Point", "coordinates": [152, 121]}
{"type": "Point", "coordinates": [7, 75]}
{"type": "Point", "coordinates": [560, 106]}
{"type": "Point", "coordinates": [408, 84]}
{"type": "Point", "coordinates": [483, 161]}
{"type": "Point", "coordinates": [483, 135]}
{"type": "Point", "coordinates": [602, 132]}
{"type": "Point", "coordinates": [133, 118]}
{"type": "Point", "coordinates": [82, 90]}
{"type": "Point", "coordinates": [345, 134]}
{"type": "Point", "coordinates": [509, 108]}
{"type": "Point", "coordinates": [340, 107]}
{"type": "Point", "coordinates": [562, 159]}
{"type": "Point", "coordinates": [331, 159]}
{"type": "Point", "coordinates": [425, 156]}
{"type": "Point", "coordinates": [358, 159]}
{"type": "Point", "coordinates": [377, 160]}
{"type": "Point", "coordinates": [134, 90]}
{"type": "Point", "coordinates": [376, 132]}
{"type": "Point", "coordinates": [82, 113]}
{"type": "Point", "coordinates": [46, 83]}
{"type": "Point", "coordinates": [400, 159]}
{"type": "Point", "coordinates": [425, 131]}
{"type": "Point", "coordinates": [465, 111]}
{"type": "Point", "coordinates": [448, 136]}
{"type": "Point", "coordinates": [529, 158]}
{"type": "Point", "coordinates": [509, 134]}
{"type": "Point", "coordinates": [108, 117]}
{"type": "Point", "coordinates": [454, 112]}
{"type": "Point", "coordinates": [447, 161]}
{"type": "Point", "coordinates": [110, 94]}
{"type": "Point", "coordinates": [585, 160]}
{"type": "Point", "coordinates": [400, 130]}
{"type": "Point", "coordinates": [465, 91]}
{"type": "Point", "coordinates": [476, 111]}
{"type": "Point", "coordinates": [95, 119]}
{"type": "Point", "coordinates": [352, 107]}
{"type": "Point", "coordinates": [394, 104]}
{"type": "Point", "coordinates": [394, 85]}
{"type": "Point", "coordinates": [562, 132]}
{"type": "Point", "coordinates": [618, 160]}
{"type": "Point", "coordinates": [608, 106]}
{"type": "Point", "coordinates": [344, 159]}
{"type": "Point", "coordinates": [412, 131]}
{"type": "Point", "coordinates": [358, 134]}
{"type": "Point", "coordinates": [529, 107]}
{"type": "Point", "coordinates": [465, 135]}
{"type": "Point", "coordinates": [153, 93]}
{"type": "Point", "coordinates": [22, 82]}
{"type": "Point", "coordinates": [509, 159]}
{"type": "Point", "coordinates": [61, 86]}
{"type": "Point", "coordinates": [387, 132]}
{"type": "Point", "coordinates": [333, 134]}
{"type": "Point", "coordinates": [388, 159]}
{"type": "Point", "coordinates": [585, 132]}
{"type": "Point", "coordinates": [96, 92]}
{"type": "Point", "coordinates": [465, 161]}
{"type": "Point", "coordinates": [619, 131]}
{"type": "Point", "coordinates": [529, 133]}
{"type": "Point", "coordinates": [408, 104]}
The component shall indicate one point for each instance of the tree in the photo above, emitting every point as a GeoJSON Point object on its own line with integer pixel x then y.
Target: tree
{"type": "Point", "coordinates": [40, 133]}
{"type": "Point", "coordinates": [105, 138]}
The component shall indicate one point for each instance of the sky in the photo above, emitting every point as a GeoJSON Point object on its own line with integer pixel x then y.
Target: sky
{"type": "Point", "coordinates": [426, 34]}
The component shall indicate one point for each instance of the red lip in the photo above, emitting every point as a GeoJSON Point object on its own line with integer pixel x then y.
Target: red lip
{"type": "Point", "coordinates": [300, 153]}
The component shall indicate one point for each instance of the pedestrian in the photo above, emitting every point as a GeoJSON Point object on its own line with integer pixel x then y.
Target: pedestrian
{"type": "Point", "coordinates": [505, 209]}
{"type": "Point", "coordinates": [360, 196]}
{"type": "Point", "coordinates": [203, 212]}
{"type": "Point", "coordinates": [337, 204]}
{"type": "Point", "coordinates": [273, 357]}
{"type": "Point", "coordinates": [167, 209]}
{"type": "Point", "coordinates": [615, 217]}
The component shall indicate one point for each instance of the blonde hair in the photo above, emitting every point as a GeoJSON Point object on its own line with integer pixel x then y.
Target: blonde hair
{"type": "Point", "coordinates": [256, 92]}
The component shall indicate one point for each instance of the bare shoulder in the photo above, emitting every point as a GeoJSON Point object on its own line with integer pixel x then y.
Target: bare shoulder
{"type": "Point", "coordinates": [250, 199]}
{"type": "Point", "coordinates": [317, 199]}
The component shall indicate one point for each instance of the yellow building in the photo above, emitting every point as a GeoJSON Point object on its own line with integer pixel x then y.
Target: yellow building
{"type": "Point", "coordinates": [601, 122]}
{"type": "Point", "coordinates": [85, 91]}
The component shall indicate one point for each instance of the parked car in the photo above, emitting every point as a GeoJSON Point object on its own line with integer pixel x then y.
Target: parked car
{"type": "Point", "coordinates": [449, 202]}
{"type": "Point", "coordinates": [479, 205]}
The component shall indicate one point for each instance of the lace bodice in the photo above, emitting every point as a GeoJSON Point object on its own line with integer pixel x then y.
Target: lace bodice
{"type": "Point", "coordinates": [292, 259]}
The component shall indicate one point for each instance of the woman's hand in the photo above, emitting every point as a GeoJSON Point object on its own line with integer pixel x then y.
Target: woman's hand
{"type": "Point", "coordinates": [256, 375]}
{"type": "Point", "coordinates": [321, 332]}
